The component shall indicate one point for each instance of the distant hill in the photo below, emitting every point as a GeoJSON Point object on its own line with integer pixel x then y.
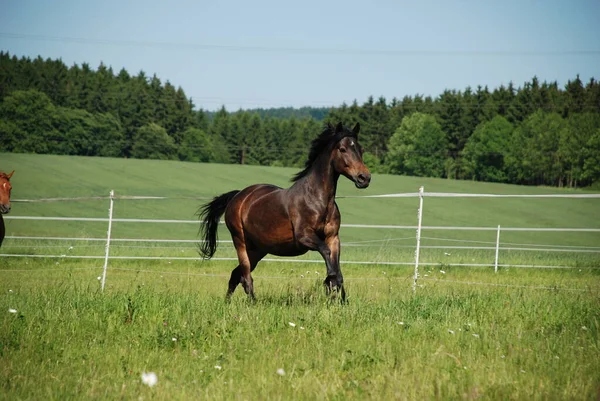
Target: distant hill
{"type": "Point", "coordinates": [56, 176]}
{"type": "Point", "coordinates": [316, 113]}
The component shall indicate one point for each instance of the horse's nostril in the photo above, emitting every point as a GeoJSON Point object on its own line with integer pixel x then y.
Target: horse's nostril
{"type": "Point", "coordinates": [362, 178]}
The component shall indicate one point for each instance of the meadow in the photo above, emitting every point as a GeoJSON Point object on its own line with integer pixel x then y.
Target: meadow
{"type": "Point", "coordinates": [467, 333]}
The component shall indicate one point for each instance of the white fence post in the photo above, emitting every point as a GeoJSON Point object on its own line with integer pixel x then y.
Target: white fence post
{"type": "Point", "coordinates": [497, 249]}
{"type": "Point", "coordinates": [110, 215]}
{"type": "Point", "coordinates": [418, 250]}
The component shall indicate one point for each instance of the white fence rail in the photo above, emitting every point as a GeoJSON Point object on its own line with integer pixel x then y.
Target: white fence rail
{"type": "Point", "coordinates": [498, 246]}
{"type": "Point", "coordinates": [378, 226]}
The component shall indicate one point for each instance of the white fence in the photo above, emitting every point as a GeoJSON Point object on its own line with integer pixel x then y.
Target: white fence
{"type": "Point", "coordinates": [497, 246]}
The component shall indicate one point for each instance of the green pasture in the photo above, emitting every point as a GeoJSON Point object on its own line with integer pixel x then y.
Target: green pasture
{"type": "Point", "coordinates": [188, 185]}
{"type": "Point", "coordinates": [531, 335]}
{"type": "Point", "coordinates": [467, 333]}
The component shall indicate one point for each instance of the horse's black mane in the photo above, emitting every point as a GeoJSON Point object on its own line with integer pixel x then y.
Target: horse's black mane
{"type": "Point", "coordinates": [319, 144]}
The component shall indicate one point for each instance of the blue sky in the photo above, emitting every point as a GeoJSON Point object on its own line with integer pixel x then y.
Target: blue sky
{"type": "Point", "coordinates": [245, 54]}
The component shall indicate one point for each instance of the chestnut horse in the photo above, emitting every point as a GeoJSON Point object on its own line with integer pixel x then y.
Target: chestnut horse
{"type": "Point", "coordinates": [5, 189]}
{"type": "Point", "coordinates": [265, 219]}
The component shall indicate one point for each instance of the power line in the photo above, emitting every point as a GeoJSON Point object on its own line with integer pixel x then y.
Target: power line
{"type": "Point", "coordinates": [301, 50]}
{"type": "Point", "coordinates": [426, 103]}
{"type": "Point", "coordinates": [430, 103]}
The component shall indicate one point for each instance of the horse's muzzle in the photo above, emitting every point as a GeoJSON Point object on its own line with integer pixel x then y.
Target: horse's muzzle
{"type": "Point", "coordinates": [362, 180]}
{"type": "Point", "coordinates": [4, 209]}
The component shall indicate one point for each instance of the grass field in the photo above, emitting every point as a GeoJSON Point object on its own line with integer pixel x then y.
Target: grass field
{"type": "Point", "coordinates": [468, 333]}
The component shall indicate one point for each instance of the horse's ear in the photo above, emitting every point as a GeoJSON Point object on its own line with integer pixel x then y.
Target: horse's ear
{"type": "Point", "coordinates": [356, 129]}
{"type": "Point", "coordinates": [339, 128]}
{"type": "Point", "coordinates": [10, 175]}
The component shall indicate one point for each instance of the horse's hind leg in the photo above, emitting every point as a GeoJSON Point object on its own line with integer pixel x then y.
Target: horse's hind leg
{"type": "Point", "coordinates": [242, 273]}
{"type": "Point", "coordinates": [253, 257]}
{"type": "Point", "coordinates": [234, 280]}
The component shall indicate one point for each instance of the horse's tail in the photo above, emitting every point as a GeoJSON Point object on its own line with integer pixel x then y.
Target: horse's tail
{"type": "Point", "coordinates": [210, 214]}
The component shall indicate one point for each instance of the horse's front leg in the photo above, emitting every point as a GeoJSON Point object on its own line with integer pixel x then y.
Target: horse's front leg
{"type": "Point", "coordinates": [330, 251]}
{"type": "Point", "coordinates": [335, 279]}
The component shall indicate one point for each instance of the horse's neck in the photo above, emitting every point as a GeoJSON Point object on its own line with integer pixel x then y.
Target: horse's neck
{"type": "Point", "coordinates": [321, 184]}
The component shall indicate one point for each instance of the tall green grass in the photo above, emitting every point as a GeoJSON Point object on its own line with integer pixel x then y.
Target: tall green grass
{"type": "Point", "coordinates": [450, 341]}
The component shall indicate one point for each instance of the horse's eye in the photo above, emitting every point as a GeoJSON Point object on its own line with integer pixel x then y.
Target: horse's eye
{"type": "Point", "coordinates": [343, 150]}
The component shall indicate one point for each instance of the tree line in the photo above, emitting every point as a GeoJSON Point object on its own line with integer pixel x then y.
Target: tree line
{"type": "Point", "coordinates": [536, 134]}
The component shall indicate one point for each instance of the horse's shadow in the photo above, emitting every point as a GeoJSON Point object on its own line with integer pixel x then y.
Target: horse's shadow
{"type": "Point", "coordinates": [294, 295]}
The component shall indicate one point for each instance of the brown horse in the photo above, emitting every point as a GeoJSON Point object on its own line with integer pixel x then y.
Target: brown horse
{"type": "Point", "coordinates": [265, 219]}
{"type": "Point", "coordinates": [5, 189]}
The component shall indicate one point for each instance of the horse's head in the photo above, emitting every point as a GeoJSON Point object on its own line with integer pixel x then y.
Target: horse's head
{"type": "Point", "coordinates": [346, 157]}
{"type": "Point", "coordinates": [5, 188]}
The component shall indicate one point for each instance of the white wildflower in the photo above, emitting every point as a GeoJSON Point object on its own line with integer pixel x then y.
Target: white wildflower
{"type": "Point", "coordinates": [12, 310]}
{"type": "Point", "coordinates": [174, 338]}
{"type": "Point", "coordinates": [443, 272]}
{"type": "Point", "coordinates": [476, 335]}
{"type": "Point", "coordinates": [218, 367]}
{"type": "Point", "coordinates": [400, 323]}
{"type": "Point", "coordinates": [292, 324]}
{"type": "Point", "coordinates": [150, 379]}
{"type": "Point", "coordinates": [281, 372]}
{"type": "Point", "coordinates": [450, 331]}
